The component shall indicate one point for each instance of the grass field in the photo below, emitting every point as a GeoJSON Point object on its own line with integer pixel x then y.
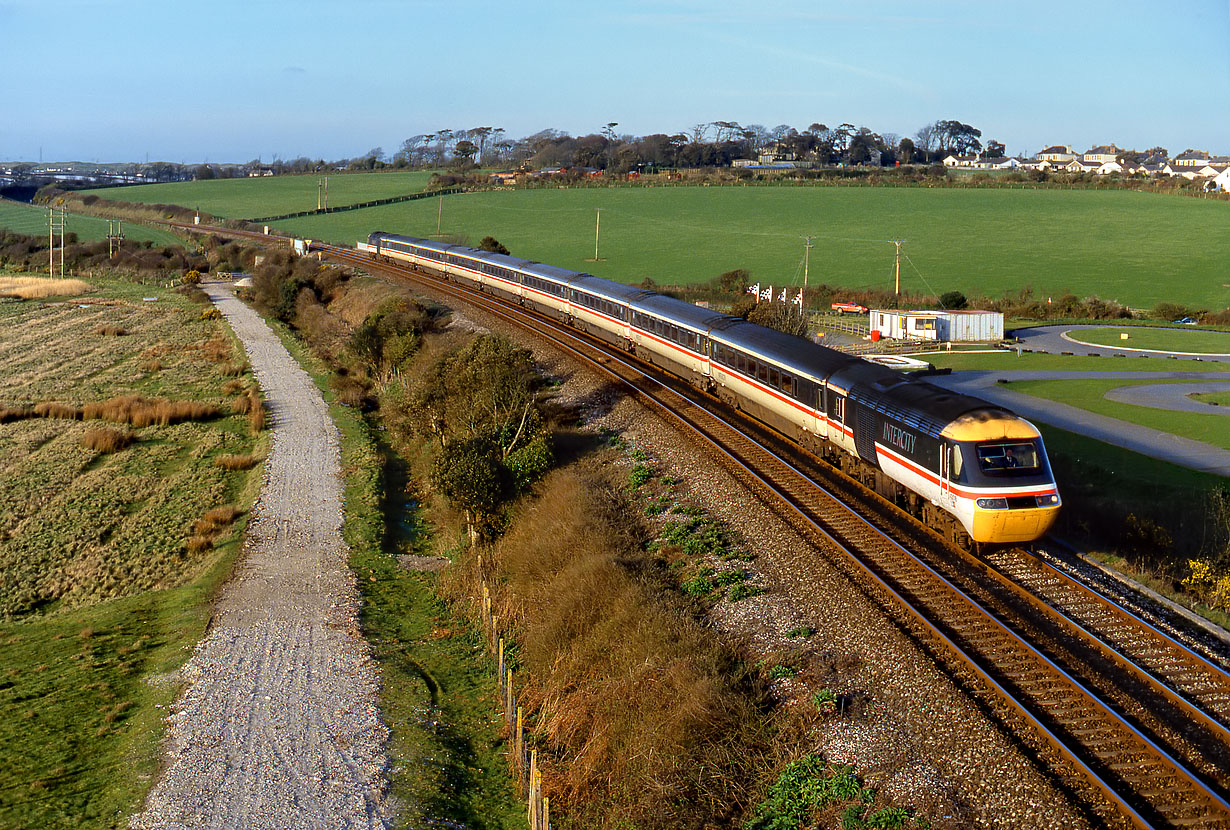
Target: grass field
{"type": "Point", "coordinates": [272, 195]}
{"type": "Point", "coordinates": [102, 589]}
{"type": "Point", "coordinates": [1136, 248]}
{"type": "Point", "coordinates": [32, 221]}
{"type": "Point", "coordinates": [1159, 339]}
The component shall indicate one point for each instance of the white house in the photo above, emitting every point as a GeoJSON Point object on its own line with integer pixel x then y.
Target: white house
{"type": "Point", "coordinates": [1101, 155]}
{"type": "Point", "coordinates": [1057, 153]}
{"type": "Point", "coordinates": [1222, 180]}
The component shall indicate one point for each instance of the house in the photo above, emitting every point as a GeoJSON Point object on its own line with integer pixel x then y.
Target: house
{"type": "Point", "coordinates": [1221, 181]}
{"type": "Point", "coordinates": [1146, 169]}
{"type": "Point", "coordinates": [504, 177]}
{"type": "Point", "coordinates": [1101, 155]}
{"type": "Point", "coordinates": [1192, 158]}
{"type": "Point", "coordinates": [1081, 166]}
{"type": "Point", "coordinates": [960, 161]}
{"type": "Point", "coordinates": [1057, 153]}
{"type": "Point", "coordinates": [1108, 167]}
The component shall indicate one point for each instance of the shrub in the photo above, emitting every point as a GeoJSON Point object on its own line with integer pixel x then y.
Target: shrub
{"type": "Point", "coordinates": [111, 331]}
{"type": "Point", "coordinates": [14, 414]}
{"type": "Point", "coordinates": [106, 440]}
{"type": "Point", "coordinates": [192, 277]}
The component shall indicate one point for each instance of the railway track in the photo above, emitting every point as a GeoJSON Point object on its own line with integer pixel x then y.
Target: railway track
{"type": "Point", "coordinates": [1135, 725]}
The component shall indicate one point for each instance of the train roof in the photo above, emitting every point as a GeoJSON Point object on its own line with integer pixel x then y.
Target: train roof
{"type": "Point", "coordinates": [910, 400]}
{"type": "Point", "coordinates": [797, 353]}
{"type": "Point", "coordinates": [616, 291]}
{"type": "Point", "coordinates": [680, 311]}
{"type": "Point", "coordinates": [550, 272]}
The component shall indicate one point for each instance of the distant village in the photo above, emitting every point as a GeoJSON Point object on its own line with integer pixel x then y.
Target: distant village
{"type": "Point", "coordinates": [1104, 161]}
{"type": "Point", "coordinates": [1110, 160]}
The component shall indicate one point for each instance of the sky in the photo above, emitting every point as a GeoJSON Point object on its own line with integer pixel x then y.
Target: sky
{"type": "Point", "coordinates": [225, 81]}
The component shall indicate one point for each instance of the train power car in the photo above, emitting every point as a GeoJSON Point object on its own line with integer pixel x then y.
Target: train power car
{"type": "Point", "coordinates": [950, 459]}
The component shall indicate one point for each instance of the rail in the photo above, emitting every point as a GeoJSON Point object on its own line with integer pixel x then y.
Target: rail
{"type": "Point", "coordinates": [1144, 781]}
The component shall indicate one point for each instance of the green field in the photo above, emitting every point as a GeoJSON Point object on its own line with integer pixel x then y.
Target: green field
{"type": "Point", "coordinates": [1136, 248]}
{"type": "Point", "coordinates": [1157, 339]}
{"type": "Point", "coordinates": [32, 221]}
{"type": "Point", "coordinates": [272, 195]}
{"type": "Point", "coordinates": [102, 591]}
{"type": "Point", "coordinates": [1004, 360]}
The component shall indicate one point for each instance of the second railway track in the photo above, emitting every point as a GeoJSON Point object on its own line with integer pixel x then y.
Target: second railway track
{"type": "Point", "coordinates": [1139, 721]}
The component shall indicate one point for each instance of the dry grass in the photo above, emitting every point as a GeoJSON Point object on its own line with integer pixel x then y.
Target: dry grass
{"type": "Point", "coordinates": [34, 288]}
{"type": "Point", "coordinates": [215, 520]}
{"type": "Point", "coordinates": [256, 412]}
{"type": "Point", "coordinates": [9, 413]}
{"type": "Point", "coordinates": [236, 462]}
{"type": "Point", "coordinates": [105, 439]}
{"type": "Point", "coordinates": [53, 409]}
{"type": "Point", "coordinates": [151, 366]}
{"type": "Point", "coordinates": [234, 387]}
{"type": "Point", "coordinates": [140, 412]}
{"type": "Point", "coordinates": [109, 330]}
{"type": "Point", "coordinates": [649, 720]}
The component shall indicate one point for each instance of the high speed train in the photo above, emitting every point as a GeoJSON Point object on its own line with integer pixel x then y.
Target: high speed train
{"type": "Point", "coordinates": [959, 463]}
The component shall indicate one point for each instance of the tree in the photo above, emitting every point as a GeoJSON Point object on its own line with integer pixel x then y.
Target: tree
{"type": "Point", "coordinates": [953, 300]}
{"type": "Point", "coordinates": [490, 243]}
{"type": "Point", "coordinates": [734, 282]}
{"type": "Point", "coordinates": [905, 151]}
{"type": "Point", "coordinates": [465, 150]}
{"type": "Point", "coordinates": [785, 317]}
{"type": "Point", "coordinates": [995, 150]}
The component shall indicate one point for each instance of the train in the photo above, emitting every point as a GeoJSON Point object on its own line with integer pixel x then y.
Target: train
{"type": "Point", "coordinates": [970, 469]}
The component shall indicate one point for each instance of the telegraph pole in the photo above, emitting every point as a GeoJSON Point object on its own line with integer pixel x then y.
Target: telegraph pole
{"type": "Point", "coordinates": [439, 216]}
{"type": "Point", "coordinates": [807, 246]}
{"type": "Point", "coordinates": [322, 193]}
{"type": "Point", "coordinates": [897, 267]}
{"type": "Point", "coordinates": [597, 225]}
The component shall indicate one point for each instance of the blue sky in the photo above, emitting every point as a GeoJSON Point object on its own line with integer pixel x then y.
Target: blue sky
{"type": "Point", "coordinates": [126, 80]}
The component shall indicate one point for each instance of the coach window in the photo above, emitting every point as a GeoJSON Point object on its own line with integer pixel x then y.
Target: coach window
{"type": "Point", "coordinates": [774, 379]}
{"type": "Point", "coordinates": [788, 384]}
{"type": "Point", "coordinates": [839, 408]}
{"type": "Point", "coordinates": [762, 371]}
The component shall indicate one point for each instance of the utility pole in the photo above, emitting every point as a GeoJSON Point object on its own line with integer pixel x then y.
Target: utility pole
{"type": "Point", "coordinates": [439, 216]}
{"type": "Point", "coordinates": [597, 224]}
{"type": "Point", "coordinates": [322, 193]}
{"type": "Point", "coordinates": [807, 246]}
{"type": "Point", "coordinates": [897, 267]}
{"type": "Point", "coordinates": [115, 233]}
{"type": "Point", "coordinates": [57, 219]}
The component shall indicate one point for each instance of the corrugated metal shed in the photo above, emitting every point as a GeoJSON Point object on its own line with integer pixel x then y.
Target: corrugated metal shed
{"type": "Point", "coordinates": [944, 326]}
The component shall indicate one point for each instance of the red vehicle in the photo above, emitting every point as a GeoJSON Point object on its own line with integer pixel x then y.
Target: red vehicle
{"type": "Point", "coordinates": [849, 308]}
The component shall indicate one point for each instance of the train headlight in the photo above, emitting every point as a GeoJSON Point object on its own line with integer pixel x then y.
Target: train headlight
{"type": "Point", "coordinates": [992, 504]}
{"type": "Point", "coordinates": [1048, 501]}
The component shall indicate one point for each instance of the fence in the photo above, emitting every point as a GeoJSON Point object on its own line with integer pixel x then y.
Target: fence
{"type": "Point", "coordinates": [358, 206]}
{"type": "Point", "coordinates": [524, 764]}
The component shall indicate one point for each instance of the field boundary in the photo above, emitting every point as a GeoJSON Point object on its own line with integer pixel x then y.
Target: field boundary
{"type": "Point", "coordinates": [410, 197]}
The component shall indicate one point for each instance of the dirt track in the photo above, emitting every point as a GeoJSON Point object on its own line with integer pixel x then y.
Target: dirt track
{"type": "Point", "coordinates": [278, 725]}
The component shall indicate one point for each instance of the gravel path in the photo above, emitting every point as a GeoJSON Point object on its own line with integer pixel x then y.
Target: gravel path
{"type": "Point", "coordinates": [279, 726]}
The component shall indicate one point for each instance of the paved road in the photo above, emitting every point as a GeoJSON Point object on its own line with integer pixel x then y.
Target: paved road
{"type": "Point", "coordinates": [1051, 339]}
